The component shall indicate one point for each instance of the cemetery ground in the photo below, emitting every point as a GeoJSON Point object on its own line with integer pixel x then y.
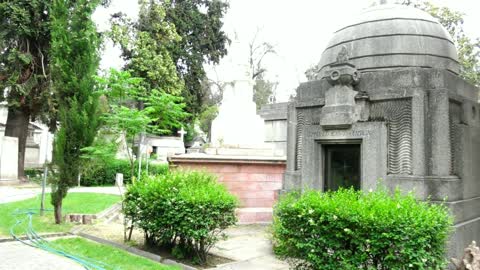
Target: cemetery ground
{"type": "Point", "coordinates": [14, 207]}
{"type": "Point", "coordinates": [81, 203]}
{"type": "Point", "coordinates": [246, 247]}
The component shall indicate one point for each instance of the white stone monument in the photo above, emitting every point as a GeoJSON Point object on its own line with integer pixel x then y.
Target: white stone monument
{"type": "Point", "coordinates": [8, 159]}
{"type": "Point", "coordinates": [237, 123]}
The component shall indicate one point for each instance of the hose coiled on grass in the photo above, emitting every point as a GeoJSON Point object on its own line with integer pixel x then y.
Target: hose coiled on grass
{"type": "Point", "coordinates": [34, 240]}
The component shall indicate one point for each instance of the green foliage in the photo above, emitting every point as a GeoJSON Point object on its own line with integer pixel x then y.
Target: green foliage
{"type": "Point", "coordinates": [168, 46]}
{"type": "Point", "coordinates": [206, 118]}
{"type": "Point", "coordinates": [104, 173]}
{"type": "Point", "coordinates": [166, 110]}
{"type": "Point", "coordinates": [34, 172]}
{"type": "Point", "coordinates": [24, 58]}
{"type": "Point", "coordinates": [162, 113]}
{"type": "Point", "coordinates": [199, 23]}
{"type": "Point", "coordinates": [468, 49]}
{"type": "Point", "coordinates": [262, 90]}
{"type": "Point", "coordinates": [145, 46]}
{"type": "Point", "coordinates": [74, 62]}
{"type": "Point", "coordinates": [351, 229]}
{"type": "Point", "coordinates": [185, 211]}
{"type": "Point", "coordinates": [81, 203]}
{"type": "Point", "coordinates": [34, 175]}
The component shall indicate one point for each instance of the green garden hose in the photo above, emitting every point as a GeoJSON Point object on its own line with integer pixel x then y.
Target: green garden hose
{"type": "Point", "coordinates": [34, 240]}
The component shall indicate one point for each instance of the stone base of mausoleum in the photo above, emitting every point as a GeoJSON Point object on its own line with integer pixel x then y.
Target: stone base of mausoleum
{"type": "Point", "coordinates": [255, 180]}
{"type": "Point", "coordinates": [9, 182]}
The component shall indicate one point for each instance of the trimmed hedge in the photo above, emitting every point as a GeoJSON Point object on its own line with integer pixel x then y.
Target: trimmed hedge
{"type": "Point", "coordinates": [351, 229]}
{"type": "Point", "coordinates": [182, 211]}
{"type": "Point", "coordinates": [104, 173]}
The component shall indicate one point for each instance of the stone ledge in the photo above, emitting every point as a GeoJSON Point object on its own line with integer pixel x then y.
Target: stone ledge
{"type": "Point", "coordinates": [90, 218]}
{"type": "Point", "coordinates": [437, 188]}
{"type": "Point", "coordinates": [464, 210]}
{"type": "Point", "coordinates": [204, 158]}
{"type": "Point", "coordinates": [5, 182]}
{"type": "Point", "coordinates": [254, 215]}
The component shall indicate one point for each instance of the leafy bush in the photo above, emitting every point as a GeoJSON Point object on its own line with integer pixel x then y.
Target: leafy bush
{"type": "Point", "coordinates": [104, 173]}
{"type": "Point", "coordinates": [34, 172]}
{"type": "Point", "coordinates": [351, 229]}
{"type": "Point", "coordinates": [183, 211]}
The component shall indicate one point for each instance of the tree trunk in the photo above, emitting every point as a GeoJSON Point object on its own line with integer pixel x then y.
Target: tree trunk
{"type": "Point", "coordinates": [17, 126]}
{"type": "Point", "coordinates": [58, 211]}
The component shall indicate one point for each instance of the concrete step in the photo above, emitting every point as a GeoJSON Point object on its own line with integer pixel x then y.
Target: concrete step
{"type": "Point", "coordinates": [254, 215]}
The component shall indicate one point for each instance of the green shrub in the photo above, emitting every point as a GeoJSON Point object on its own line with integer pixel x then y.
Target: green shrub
{"type": "Point", "coordinates": [104, 173]}
{"type": "Point", "coordinates": [183, 211]}
{"type": "Point", "coordinates": [351, 229]}
{"type": "Point", "coordinates": [34, 172]}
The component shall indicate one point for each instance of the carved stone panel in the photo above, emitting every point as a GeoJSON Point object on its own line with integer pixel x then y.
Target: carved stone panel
{"type": "Point", "coordinates": [398, 115]}
{"type": "Point", "coordinates": [305, 117]}
{"type": "Point", "coordinates": [299, 138]}
{"type": "Point", "coordinates": [455, 116]}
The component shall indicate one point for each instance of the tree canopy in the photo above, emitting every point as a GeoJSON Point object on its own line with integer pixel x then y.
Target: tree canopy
{"type": "Point", "coordinates": [25, 68]}
{"type": "Point", "coordinates": [145, 47]}
{"type": "Point", "coordinates": [468, 49]}
{"type": "Point", "coordinates": [199, 23]}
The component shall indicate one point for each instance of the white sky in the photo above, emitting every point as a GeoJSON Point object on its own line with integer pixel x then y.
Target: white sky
{"type": "Point", "coordinates": [299, 29]}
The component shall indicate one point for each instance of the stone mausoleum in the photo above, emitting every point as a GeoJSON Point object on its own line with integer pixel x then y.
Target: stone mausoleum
{"type": "Point", "coordinates": [386, 102]}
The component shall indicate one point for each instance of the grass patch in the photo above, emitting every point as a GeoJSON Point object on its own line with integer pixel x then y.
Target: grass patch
{"type": "Point", "coordinates": [82, 203]}
{"type": "Point", "coordinates": [114, 258]}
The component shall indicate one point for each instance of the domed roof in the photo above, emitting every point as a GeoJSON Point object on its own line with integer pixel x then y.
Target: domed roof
{"type": "Point", "coordinates": [393, 36]}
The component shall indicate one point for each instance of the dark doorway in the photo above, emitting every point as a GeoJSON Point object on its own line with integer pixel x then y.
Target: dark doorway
{"type": "Point", "coordinates": [342, 166]}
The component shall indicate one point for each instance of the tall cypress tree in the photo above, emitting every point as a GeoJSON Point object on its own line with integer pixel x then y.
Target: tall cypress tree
{"type": "Point", "coordinates": [75, 58]}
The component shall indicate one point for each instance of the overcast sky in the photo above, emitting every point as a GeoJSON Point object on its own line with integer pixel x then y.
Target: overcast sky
{"type": "Point", "coordinates": [299, 30]}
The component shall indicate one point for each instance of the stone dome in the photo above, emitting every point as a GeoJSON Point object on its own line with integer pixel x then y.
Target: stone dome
{"type": "Point", "coordinates": [392, 36]}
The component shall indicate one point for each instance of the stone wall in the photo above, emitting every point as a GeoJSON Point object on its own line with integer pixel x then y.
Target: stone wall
{"type": "Point", "coordinates": [275, 117]}
{"type": "Point", "coordinates": [255, 182]}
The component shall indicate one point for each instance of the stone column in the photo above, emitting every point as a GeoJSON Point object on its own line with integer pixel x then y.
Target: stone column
{"type": "Point", "coordinates": [291, 136]}
{"type": "Point", "coordinates": [418, 133]}
{"type": "Point", "coordinates": [439, 162]}
{"type": "Point", "coordinates": [291, 178]}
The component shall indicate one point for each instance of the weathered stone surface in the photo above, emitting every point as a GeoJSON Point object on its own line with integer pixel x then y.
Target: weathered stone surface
{"type": "Point", "coordinates": [390, 36]}
{"type": "Point", "coordinates": [87, 219]}
{"type": "Point", "coordinates": [470, 260]}
{"type": "Point", "coordinates": [76, 218]}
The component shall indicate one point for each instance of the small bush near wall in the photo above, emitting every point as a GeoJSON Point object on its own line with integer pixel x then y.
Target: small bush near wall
{"type": "Point", "coordinates": [351, 229]}
{"type": "Point", "coordinates": [34, 174]}
{"type": "Point", "coordinates": [104, 173]}
{"type": "Point", "coordinates": [182, 211]}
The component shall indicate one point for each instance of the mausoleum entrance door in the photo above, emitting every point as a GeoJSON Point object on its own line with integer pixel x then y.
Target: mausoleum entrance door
{"type": "Point", "coordinates": [341, 166]}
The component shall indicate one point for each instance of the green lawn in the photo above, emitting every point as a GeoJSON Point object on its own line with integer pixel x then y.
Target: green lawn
{"type": "Point", "coordinates": [114, 258]}
{"type": "Point", "coordinates": [82, 203]}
